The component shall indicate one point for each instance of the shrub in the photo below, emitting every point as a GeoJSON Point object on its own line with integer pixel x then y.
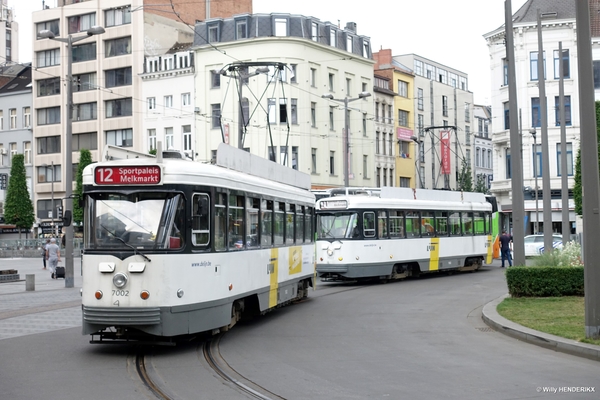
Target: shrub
{"type": "Point", "coordinates": [568, 256]}
{"type": "Point", "coordinates": [552, 281]}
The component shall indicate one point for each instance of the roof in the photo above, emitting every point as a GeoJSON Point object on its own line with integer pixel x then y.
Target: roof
{"type": "Point", "coordinates": [15, 78]}
{"type": "Point", "coordinates": [556, 9]}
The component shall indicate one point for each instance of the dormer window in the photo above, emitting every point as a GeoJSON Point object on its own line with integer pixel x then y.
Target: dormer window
{"type": "Point", "coordinates": [281, 26]}
{"type": "Point", "coordinates": [213, 33]}
{"type": "Point", "coordinates": [241, 29]}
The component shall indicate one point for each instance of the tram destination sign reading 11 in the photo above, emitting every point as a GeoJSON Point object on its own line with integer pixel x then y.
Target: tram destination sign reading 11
{"type": "Point", "coordinates": [139, 175]}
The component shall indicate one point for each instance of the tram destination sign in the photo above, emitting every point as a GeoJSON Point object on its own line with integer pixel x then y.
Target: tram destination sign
{"type": "Point", "coordinates": [128, 175]}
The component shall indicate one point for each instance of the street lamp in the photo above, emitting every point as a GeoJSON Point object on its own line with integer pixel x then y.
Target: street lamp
{"type": "Point", "coordinates": [417, 153]}
{"type": "Point", "coordinates": [346, 136]}
{"type": "Point", "coordinates": [69, 40]}
{"type": "Point", "coordinates": [537, 211]}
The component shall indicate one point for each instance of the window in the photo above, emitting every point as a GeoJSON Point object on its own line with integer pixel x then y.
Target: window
{"type": "Point", "coordinates": [213, 33]}
{"type": "Point", "coordinates": [419, 67]}
{"type": "Point", "coordinates": [365, 166]}
{"type": "Point", "coordinates": [567, 100]}
{"type": "Point", "coordinates": [403, 88]}
{"type": "Point", "coordinates": [283, 155]}
{"type": "Point", "coordinates": [349, 43]}
{"type": "Point", "coordinates": [294, 111]}
{"type": "Point", "coordinates": [467, 135]}
{"type": "Point", "coordinates": [151, 103]}
{"type": "Point", "coordinates": [283, 116]}
{"type": "Point", "coordinates": [215, 116]}
{"type": "Point", "coordinates": [313, 114]}
{"type": "Point", "coordinates": [331, 162]}
{"type": "Point", "coordinates": [168, 101]}
{"type": "Point", "coordinates": [332, 37]}
{"type": "Point", "coordinates": [49, 173]}
{"type": "Point", "coordinates": [117, 47]}
{"type": "Point", "coordinates": [477, 154]}
{"type": "Point", "coordinates": [1, 122]}
{"type": "Point", "coordinates": [314, 32]}
{"type": "Point", "coordinates": [117, 16]}
{"type": "Point", "coordinates": [331, 126]}
{"type": "Point", "coordinates": [151, 139]}
{"type": "Point", "coordinates": [365, 49]}
{"type": "Point", "coordinates": [241, 29]}
{"type": "Point", "coordinates": [293, 73]}
{"type": "Point", "coordinates": [404, 182]}
{"type": "Point", "coordinates": [508, 165]}
{"type": "Point", "coordinates": [87, 141]}
{"type": "Point", "coordinates": [27, 152]}
{"type": "Point", "coordinates": [118, 108]}
{"type": "Point", "coordinates": [506, 115]}
{"type": "Point", "coordinates": [84, 52]}
{"type": "Point", "coordinates": [569, 159]}
{"type": "Point", "coordinates": [185, 99]}
{"type": "Point", "coordinates": [348, 87]}
{"type": "Point", "coordinates": [445, 106]}
{"type": "Point", "coordinates": [467, 112]}
{"type": "Point", "coordinates": [331, 81]}
{"type": "Point", "coordinates": [402, 118]}
{"type": "Point", "coordinates": [272, 155]}
{"type": "Point", "coordinates": [200, 220]}
{"type": "Point", "coordinates": [313, 159]}
{"type": "Point", "coordinates": [504, 72]}
{"type": "Point", "coordinates": [565, 63]}
{"type": "Point", "coordinates": [537, 160]}
{"type": "Point", "coordinates": [169, 139]}
{"type": "Point", "coordinates": [364, 124]}
{"type": "Point", "coordinates": [186, 130]}
{"type": "Point", "coordinates": [48, 116]}
{"type": "Point", "coordinates": [13, 118]}
{"type": "Point", "coordinates": [421, 124]}
{"type": "Point", "coordinates": [535, 112]}
{"type": "Point", "coordinates": [85, 112]}
{"type": "Point", "coordinates": [215, 79]}
{"type": "Point", "coordinates": [295, 157]}
{"type": "Point", "coordinates": [271, 111]}
{"type": "Point", "coordinates": [48, 87]}
{"type": "Point", "coordinates": [420, 99]}
{"type": "Point", "coordinates": [47, 58]}
{"type": "Point", "coordinates": [118, 77]}
{"type": "Point", "coordinates": [377, 111]}
{"type": "Point", "coordinates": [48, 145]}
{"type": "Point", "coordinates": [280, 26]}
{"type": "Point", "coordinates": [533, 65]}
{"type": "Point", "coordinates": [52, 26]}
{"type": "Point", "coordinates": [81, 23]}
{"type": "Point", "coordinates": [85, 82]}
{"type": "Point", "coordinates": [26, 117]}
{"type": "Point", "coordinates": [120, 137]}
{"type": "Point", "coordinates": [313, 77]}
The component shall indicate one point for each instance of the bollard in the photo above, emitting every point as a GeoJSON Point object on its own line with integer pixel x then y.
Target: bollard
{"type": "Point", "coordinates": [30, 282]}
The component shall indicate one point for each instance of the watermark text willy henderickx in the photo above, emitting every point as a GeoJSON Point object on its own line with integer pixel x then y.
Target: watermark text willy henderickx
{"type": "Point", "coordinates": [566, 389]}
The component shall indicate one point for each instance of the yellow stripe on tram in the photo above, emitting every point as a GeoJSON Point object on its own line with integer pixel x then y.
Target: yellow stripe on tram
{"type": "Point", "coordinates": [434, 254]}
{"type": "Point", "coordinates": [274, 281]}
{"type": "Point", "coordinates": [490, 250]}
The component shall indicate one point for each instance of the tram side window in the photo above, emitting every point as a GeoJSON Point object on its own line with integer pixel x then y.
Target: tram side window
{"type": "Point", "coordinates": [396, 224]}
{"type": "Point", "coordinates": [413, 224]}
{"type": "Point", "coordinates": [200, 220]}
{"type": "Point", "coordinates": [266, 232]}
{"type": "Point", "coordinates": [467, 223]}
{"type": "Point", "coordinates": [308, 225]}
{"type": "Point", "coordinates": [220, 221]}
{"type": "Point", "coordinates": [300, 224]}
{"type": "Point", "coordinates": [441, 223]}
{"type": "Point", "coordinates": [427, 223]}
{"type": "Point", "coordinates": [454, 221]}
{"type": "Point", "coordinates": [175, 235]}
{"type": "Point", "coordinates": [479, 222]}
{"type": "Point", "coordinates": [382, 224]}
{"type": "Point", "coordinates": [279, 223]}
{"type": "Point", "coordinates": [290, 214]}
{"type": "Point", "coordinates": [235, 233]}
{"type": "Point", "coordinates": [252, 209]}
{"type": "Point", "coordinates": [369, 224]}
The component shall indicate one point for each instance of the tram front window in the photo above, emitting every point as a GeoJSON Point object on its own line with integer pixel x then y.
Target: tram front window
{"type": "Point", "coordinates": [337, 225]}
{"type": "Point", "coordinates": [139, 220]}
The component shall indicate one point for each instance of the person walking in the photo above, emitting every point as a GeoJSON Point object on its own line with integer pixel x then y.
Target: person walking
{"type": "Point", "coordinates": [53, 256]}
{"type": "Point", "coordinates": [44, 252]}
{"type": "Point", "coordinates": [506, 247]}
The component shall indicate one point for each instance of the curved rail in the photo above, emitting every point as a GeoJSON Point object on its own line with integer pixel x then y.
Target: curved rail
{"type": "Point", "coordinates": [140, 366]}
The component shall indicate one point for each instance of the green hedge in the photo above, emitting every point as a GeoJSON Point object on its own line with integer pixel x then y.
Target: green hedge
{"type": "Point", "coordinates": [545, 281]}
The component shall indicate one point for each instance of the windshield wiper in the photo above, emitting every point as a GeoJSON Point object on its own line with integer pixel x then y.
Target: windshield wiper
{"type": "Point", "coordinates": [135, 251]}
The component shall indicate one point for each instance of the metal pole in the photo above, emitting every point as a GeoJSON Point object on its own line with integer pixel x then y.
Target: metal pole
{"type": "Point", "coordinates": [518, 211]}
{"type": "Point", "coordinates": [589, 171]}
{"type": "Point", "coordinates": [535, 173]}
{"type": "Point", "coordinates": [566, 229]}
{"type": "Point", "coordinates": [53, 208]}
{"type": "Point", "coordinates": [69, 273]}
{"type": "Point", "coordinates": [346, 145]}
{"type": "Point", "coordinates": [241, 114]}
{"type": "Point", "coordinates": [546, 200]}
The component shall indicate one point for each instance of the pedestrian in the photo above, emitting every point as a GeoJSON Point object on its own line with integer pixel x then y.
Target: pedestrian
{"type": "Point", "coordinates": [506, 247]}
{"type": "Point", "coordinates": [44, 251]}
{"type": "Point", "coordinates": [53, 256]}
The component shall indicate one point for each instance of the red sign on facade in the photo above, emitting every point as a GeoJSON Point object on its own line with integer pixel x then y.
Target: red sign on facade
{"type": "Point", "coordinates": [142, 175]}
{"type": "Point", "coordinates": [445, 150]}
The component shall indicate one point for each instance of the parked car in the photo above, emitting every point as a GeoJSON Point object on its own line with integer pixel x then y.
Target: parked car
{"type": "Point", "coordinates": [535, 243]}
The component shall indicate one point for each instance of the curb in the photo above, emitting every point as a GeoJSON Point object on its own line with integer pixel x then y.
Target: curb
{"type": "Point", "coordinates": [497, 322]}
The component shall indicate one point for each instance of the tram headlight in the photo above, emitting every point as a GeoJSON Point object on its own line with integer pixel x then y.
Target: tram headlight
{"type": "Point", "coordinates": [329, 252]}
{"type": "Point", "coordinates": [120, 280]}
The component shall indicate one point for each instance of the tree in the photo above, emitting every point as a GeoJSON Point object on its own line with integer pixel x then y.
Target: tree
{"type": "Point", "coordinates": [465, 178]}
{"type": "Point", "coordinates": [577, 188]}
{"type": "Point", "coordinates": [18, 209]}
{"type": "Point", "coordinates": [85, 159]}
{"type": "Point", "coordinates": [481, 185]}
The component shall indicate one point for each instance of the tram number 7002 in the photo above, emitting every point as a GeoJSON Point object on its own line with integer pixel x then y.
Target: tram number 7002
{"type": "Point", "coordinates": [120, 293]}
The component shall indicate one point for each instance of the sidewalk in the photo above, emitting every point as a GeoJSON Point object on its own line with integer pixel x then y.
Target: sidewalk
{"type": "Point", "coordinates": [49, 307]}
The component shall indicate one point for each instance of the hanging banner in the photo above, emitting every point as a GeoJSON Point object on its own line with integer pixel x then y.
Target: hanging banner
{"type": "Point", "coordinates": [445, 150]}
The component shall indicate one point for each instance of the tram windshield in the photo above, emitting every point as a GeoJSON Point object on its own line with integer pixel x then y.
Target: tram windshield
{"type": "Point", "coordinates": [138, 220]}
{"type": "Point", "coordinates": [340, 225]}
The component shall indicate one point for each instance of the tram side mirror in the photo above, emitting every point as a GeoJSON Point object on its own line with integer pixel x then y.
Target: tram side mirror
{"type": "Point", "coordinates": [67, 218]}
{"type": "Point", "coordinates": [202, 206]}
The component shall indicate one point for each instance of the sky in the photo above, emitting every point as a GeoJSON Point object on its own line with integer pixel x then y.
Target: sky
{"type": "Point", "coordinates": [449, 32]}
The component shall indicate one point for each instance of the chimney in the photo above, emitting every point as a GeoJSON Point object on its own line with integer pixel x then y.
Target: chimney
{"type": "Point", "coordinates": [351, 26]}
{"type": "Point", "coordinates": [382, 57]}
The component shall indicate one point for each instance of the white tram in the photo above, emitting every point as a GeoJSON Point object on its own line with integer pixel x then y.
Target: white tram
{"type": "Point", "coordinates": [402, 232]}
{"type": "Point", "coordinates": [174, 247]}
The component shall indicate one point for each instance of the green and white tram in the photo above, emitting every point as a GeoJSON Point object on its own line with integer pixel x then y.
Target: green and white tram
{"type": "Point", "coordinates": [174, 247]}
{"type": "Point", "coordinates": [403, 232]}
